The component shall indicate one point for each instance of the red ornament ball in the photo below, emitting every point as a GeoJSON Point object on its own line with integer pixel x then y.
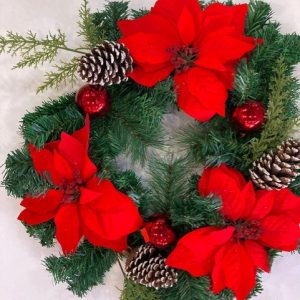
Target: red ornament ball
{"type": "Point", "coordinates": [93, 100]}
{"type": "Point", "coordinates": [250, 116]}
{"type": "Point", "coordinates": [158, 232]}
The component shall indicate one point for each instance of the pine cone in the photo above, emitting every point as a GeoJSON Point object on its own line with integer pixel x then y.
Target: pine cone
{"type": "Point", "coordinates": [147, 266]}
{"type": "Point", "coordinates": [107, 64]}
{"type": "Point", "coordinates": [277, 169]}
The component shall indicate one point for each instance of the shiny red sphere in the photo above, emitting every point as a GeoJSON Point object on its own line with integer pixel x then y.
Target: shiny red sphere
{"type": "Point", "coordinates": [93, 99]}
{"type": "Point", "coordinates": [250, 116]}
{"type": "Point", "coordinates": [160, 232]}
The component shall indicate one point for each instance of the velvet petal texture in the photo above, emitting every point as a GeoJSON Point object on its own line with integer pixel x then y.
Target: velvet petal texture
{"type": "Point", "coordinates": [160, 41]}
{"type": "Point", "coordinates": [81, 205]}
{"type": "Point", "coordinates": [254, 221]}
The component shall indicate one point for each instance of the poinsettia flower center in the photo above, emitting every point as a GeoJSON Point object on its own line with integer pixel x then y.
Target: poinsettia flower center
{"type": "Point", "coordinates": [183, 57]}
{"type": "Point", "coordinates": [71, 189]}
{"type": "Point", "coordinates": [247, 230]}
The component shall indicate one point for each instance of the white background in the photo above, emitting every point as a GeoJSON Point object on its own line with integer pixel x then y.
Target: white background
{"type": "Point", "coordinates": [22, 276]}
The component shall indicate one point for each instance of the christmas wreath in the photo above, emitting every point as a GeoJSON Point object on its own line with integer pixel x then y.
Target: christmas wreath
{"type": "Point", "coordinates": [201, 222]}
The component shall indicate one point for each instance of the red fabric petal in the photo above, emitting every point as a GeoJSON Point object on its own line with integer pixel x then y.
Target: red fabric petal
{"type": "Point", "coordinates": [280, 232]}
{"type": "Point", "coordinates": [43, 163]}
{"type": "Point", "coordinates": [225, 48]}
{"type": "Point", "coordinates": [186, 27]}
{"type": "Point", "coordinates": [171, 9]}
{"type": "Point", "coordinates": [218, 15]}
{"type": "Point", "coordinates": [150, 78]}
{"type": "Point", "coordinates": [83, 135]}
{"type": "Point", "coordinates": [119, 214]}
{"type": "Point", "coordinates": [287, 203]}
{"type": "Point", "coordinates": [148, 47]}
{"type": "Point", "coordinates": [116, 245]}
{"type": "Point", "coordinates": [62, 167]}
{"type": "Point", "coordinates": [150, 23]}
{"type": "Point", "coordinates": [258, 254]}
{"type": "Point", "coordinates": [264, 204]}
{"type": "Point", "coordinates": [226, 183]}
{"type": "Point", "coordinates": [45, 203]}
{"type": "Point", "coordinates": [195, 252]}
{"type": "Point", "coordinates": [239, 270]}
{"type": "Point", "coordinates": [217, 275]}
{"type": "Point", "coordinates": [75, 153]}
{"type": "Point", "coordinates": [32, 218]}
{"type": "Point", "coordinates": [240, 206]}
{"type": "Point", "coordinates": [228, 76]}
{"type": "Point", "coordinates": [108, 215]}
{"type": "Point", "coordinates": [68, 231]}
{"type": "Point", "coordinates": [72, 150]}
{"type": "Point", "coordinates": [88, 195]}
{"type": "Point", "coordinates": [198, 88]}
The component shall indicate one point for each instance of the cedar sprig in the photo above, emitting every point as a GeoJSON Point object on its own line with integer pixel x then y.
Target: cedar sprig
{"type": "Point", "coordinates": [65, 73]}
{"type": "Point", "coordinates": [134, 291]}
{"type": "Point", "coordinates": [87, 28]}
{"type": "Point", "coordinates": [16, 44]}
{"type": "Point", "coordinates": [278, 126]}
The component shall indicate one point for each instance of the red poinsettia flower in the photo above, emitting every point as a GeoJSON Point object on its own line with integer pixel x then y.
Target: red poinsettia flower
{"type": "Point", "coordinates": [255, 221]}
{"type": "Point", "coordinates": [202, 47]}
{"type": "Point", "coordinates": [81, 205]}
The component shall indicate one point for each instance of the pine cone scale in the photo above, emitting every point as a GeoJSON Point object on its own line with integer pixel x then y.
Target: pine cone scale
{"type": "Point", "coordinates": [279, 168]}
{"type": "Point", "coordinates": [147, 266]}
{"type": "Point", "coordinates": [106, 64]}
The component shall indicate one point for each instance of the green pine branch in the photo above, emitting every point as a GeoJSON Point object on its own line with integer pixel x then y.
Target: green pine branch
{"type": "Point", "coordinates": [44, 233]}
{"type": "Point", "coordinates": [193, 288]}
{"type": "Point", "coordinates": [83, 270]}
{"type": "Point", "coordinates": [65, 73]}
{"type": "Point", "coordinates": [20, 177]}
{"type": "Point", "coordinates": [106, 20]}
{"type": "Point", "coordinates": [259, 14]}
{"type": "Point", "coordinates": [134, 291]}
{"type": "Point", "coordinates": [167, 184]}
{"type": "Point", "coordinates": [48, 121]}
{"type": "Point", "coordinates": [88, 30]}
{"type": "Point", "coordinates": [279, 125]}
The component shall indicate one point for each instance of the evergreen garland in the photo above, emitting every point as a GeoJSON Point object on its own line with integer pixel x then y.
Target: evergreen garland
{"type": "Point", "coordinates": [133, 128]}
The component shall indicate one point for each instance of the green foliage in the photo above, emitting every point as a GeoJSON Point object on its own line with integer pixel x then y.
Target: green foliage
{"type": "Point", "coordinates": [106, 20]}
{"type": "Point", "coordinates": [87, 27]}
{"type": "Point", "coordinates": [134, 291]}
{"type": "Point", "coordinates": [134, 122]}
{"type": "Point", "coordinates": [278, 125]}
{"type": "Point", "coordinates": [19, 177]}
{"type": "Point", "coordinates": [245, 85]}
{"type": "Point", "coordinates": [33, 50]}
{"type": "Point", "coordinates": [167, 183]}
{"type": "Point", "coordinates": [48, 121]}
{"type": "Point", "coordinates": [43, 232]}
{"type": "Point", "coordinates": [65, 73]}
{"type": "Point", "coordinates": [192, 211]}
{"type": "Point", "coordinates": [259, 14]}
{"type": "Point", "coordinates": [83, 270]}
{"type": "Point", "coordinates": [192, 288]}
{"type": "Point", "coordinates": [211, 143]}
{"type": "Point", "coordinates": [138, 13]}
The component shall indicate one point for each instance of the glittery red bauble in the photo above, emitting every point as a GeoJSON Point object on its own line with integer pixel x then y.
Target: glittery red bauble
{"type": "Point", "coordinates": [159, 233]}
{"type": "Point", "coordinates": [93, 99]}
{"type": "Point", "coordinates": [249, 117]}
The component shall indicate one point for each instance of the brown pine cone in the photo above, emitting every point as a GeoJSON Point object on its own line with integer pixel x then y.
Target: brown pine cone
{"type": "Point", "coordinates": [107, 64]}
{"type": "Point", "coordinates": [146, 266]}
{"type": "Point", "coordinates": [279, 168]}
